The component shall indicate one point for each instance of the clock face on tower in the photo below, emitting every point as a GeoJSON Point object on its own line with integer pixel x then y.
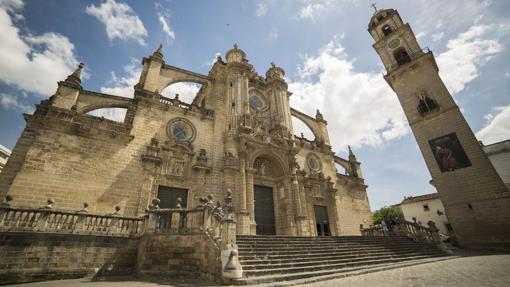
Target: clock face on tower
{"type": "Point", "coordinates": [393, 43]}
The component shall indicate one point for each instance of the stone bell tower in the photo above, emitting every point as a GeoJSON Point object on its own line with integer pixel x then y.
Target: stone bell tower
{"type": "Point", "coordinates": [476, 200]}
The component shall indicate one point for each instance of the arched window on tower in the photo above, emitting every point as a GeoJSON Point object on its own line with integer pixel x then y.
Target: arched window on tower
{"type": "Point", "coordinates": [426, 104]}
{"type": "Point", "coordinates": [401, 56]}
{"type": "Point", "coordinates": [387, 30]}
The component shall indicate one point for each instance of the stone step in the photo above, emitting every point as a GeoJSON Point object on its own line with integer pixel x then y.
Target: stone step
{"type": "Point", "coordinates": [284, 243]}
{"type": "Point", "coordinates": [284, 280]}
{"type": "Point", "coordinates": [328, 245]}
{"type": "Point", "coordinates": [295, 255]}
{"type": "Point", "coordinates": [319, 239]}
{"type": "Point", "coordinates": [268, 259]}
{"type": "Point", "coordinates": [291, 250]}
{"type": "Point", "coordinates": [329, 267]}
{"type": "Point", "coordinates": [329, 261]}
{"type": "Point", "coordinates": [271, 260]}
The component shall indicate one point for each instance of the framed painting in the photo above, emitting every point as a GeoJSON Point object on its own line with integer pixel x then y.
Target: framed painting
{"type": "Point", "coordinates": [449, 153]}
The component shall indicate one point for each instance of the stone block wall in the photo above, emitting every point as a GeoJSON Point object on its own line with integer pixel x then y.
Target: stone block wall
{"type": "Point", "coordinates": [28, 257]}
{"type": "Point", "coordinates": [165, 255]}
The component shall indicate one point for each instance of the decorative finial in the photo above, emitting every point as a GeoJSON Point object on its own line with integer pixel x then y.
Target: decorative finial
{"type": "Point", "coordinates": [158, 54]}
{"type": "Point", "coordinates": [273, 65]}
{"type": "Point", "coordinates": [75, 77]}
{"type": "Point", "coordinates": [319, 116]}
{"type": "Point", "coordinates": [373, 6]}
{"type": "Point", "coordinates": [8, 198]}
{"type": "Point", "coordinates": [85, 207]}
{"type": "Point", "coordinates": [77, 72]}
{"type": "Point", "coordinates": [350, 151]}
{"type": "Point", "coordinates": [236, 46]}
{"type": "Point", "coordinates": [49, 203]}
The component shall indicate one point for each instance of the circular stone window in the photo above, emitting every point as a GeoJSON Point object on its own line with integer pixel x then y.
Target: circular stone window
{"type": "Point", "coordinates": [313, 162]}
{"type": "Point", "coordinates": [257, 102]}
{"type": "Point", "coordinates": [181, 130]}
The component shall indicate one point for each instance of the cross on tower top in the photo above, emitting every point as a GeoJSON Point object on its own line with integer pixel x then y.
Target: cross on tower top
{"type": "Point", "coordinates": [373, 6]}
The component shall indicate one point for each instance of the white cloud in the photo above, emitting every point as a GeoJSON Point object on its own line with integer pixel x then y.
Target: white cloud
{"type": "Point", "coordinates": [123, 86]}
{"type": "Point", "coordinates": [439, 24]}
{"type": "Point", "coordinates": [438, 36]}
{"type": "Point", "coordinates": [497, 127]}
{"type": "Point", "coordinates": [9, 102]}
{"type": "Point", "coordinates": [273, 34]}
{"type": "Point", "coordinates": [261, 9]}
{"type": "Point", "coordinates": [210, 63]}
{"type": "Point", "coordinates": [361, 104]}
{"type": "Point", "coordinates": [459, 64]}
{"type": "Point", "coordinates": [33, 63]}
{"type": "Point", "coordinates": [420, 35]}
{"type": "Point", "coordinates": [357, 104]}
{"type": "Point", "coordinates": [120, 21]}
{"type": "Point", "coordinates": [311, 11]}
{"type": "Point", "coordinates": [166, 28]}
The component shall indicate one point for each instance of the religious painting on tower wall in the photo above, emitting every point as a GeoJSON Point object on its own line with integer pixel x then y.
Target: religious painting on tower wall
{"type": "Point", "coordinates": [449, 153]}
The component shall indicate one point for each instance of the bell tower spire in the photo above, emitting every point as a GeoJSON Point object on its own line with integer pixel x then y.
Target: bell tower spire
{"type": "Point", "coordinates": [475, 198]}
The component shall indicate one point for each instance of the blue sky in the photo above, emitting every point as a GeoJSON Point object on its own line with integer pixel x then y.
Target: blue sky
{"type": "Point", "coordinates": [323, 46]}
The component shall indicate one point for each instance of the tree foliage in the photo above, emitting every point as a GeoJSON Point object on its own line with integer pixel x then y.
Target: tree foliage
{"type": "Point", "coordinates": [387, 212]}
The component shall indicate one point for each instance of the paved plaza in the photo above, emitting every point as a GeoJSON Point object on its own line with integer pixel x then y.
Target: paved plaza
{"type": "Point", "coordinates": [480, 270]}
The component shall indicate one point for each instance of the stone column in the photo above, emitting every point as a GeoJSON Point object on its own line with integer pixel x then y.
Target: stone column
{"type": "Point", "coordinates": [250, 200]}
{"type": "Point", "coordinates": [300, 217]}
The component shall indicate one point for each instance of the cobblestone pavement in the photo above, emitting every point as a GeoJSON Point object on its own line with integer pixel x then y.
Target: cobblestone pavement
{"type": "Point", "coordinates": [481, 270]}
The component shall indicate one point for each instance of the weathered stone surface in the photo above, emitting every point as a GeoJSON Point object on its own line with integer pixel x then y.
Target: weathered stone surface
{"type": "Point", "coordinates": [26, 257]}
{"type": "Point", "coordinates": [236, 133]}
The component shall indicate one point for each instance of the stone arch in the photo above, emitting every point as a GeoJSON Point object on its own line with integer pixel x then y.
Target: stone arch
{"type": "Point", "coordinates": [277, 161]}
{"type": "Point", "coordinates": [92, 107]}
{"type": "Point", "coordinates": [401, 56]}
{"type": "Point", "coordinates": [310, 122]}
{"type": "Point", "coordinates": [301, 127]}
{"type": "Point", "coordinates": [170, 75]}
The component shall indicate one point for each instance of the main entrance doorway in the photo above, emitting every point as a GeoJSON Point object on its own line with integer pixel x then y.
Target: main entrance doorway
{"type": "Point", "coordinates": [264, 210]}
{"type": "Point", "coordinates": [168, 196]}
{"type": "Point", "coordinates": [321, 220]}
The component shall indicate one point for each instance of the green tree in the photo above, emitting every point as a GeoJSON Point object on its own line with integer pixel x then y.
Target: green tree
{"type": "Point", "coordinates": [387, 212]}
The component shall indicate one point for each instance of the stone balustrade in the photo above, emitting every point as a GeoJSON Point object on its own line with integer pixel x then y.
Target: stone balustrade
{"type": "Point", "coordinates": [187, 107]}
{"type": "Point", "coordinates": [209, 219]}
{"type": "Point", "coordinates": [50, 220]}
{"type": "Point", "coordinates": [411, 230]}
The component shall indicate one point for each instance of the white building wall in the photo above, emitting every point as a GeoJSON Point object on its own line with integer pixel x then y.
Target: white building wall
{"type": "Point", "coordinates": [416, 210]}
{"type": "Point", "coordinates": [499, 155]}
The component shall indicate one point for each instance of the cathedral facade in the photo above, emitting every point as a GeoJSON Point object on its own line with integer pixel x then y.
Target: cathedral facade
{"type": "Point", "coordinates": [236, 135]}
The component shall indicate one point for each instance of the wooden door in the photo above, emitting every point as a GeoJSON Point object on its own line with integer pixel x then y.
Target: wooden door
{"type": "Point", "coordinates": [321, 220]}
{"type": "Point", "coordinates": [264, 210]}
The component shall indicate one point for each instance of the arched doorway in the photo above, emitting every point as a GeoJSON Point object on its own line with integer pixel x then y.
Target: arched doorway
{"type": "Point", "coordinates": [268, 188]}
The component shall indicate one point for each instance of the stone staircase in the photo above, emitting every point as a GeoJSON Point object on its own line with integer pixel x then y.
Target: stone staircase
{"type": "Point", "coordinates": [299, 260]}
